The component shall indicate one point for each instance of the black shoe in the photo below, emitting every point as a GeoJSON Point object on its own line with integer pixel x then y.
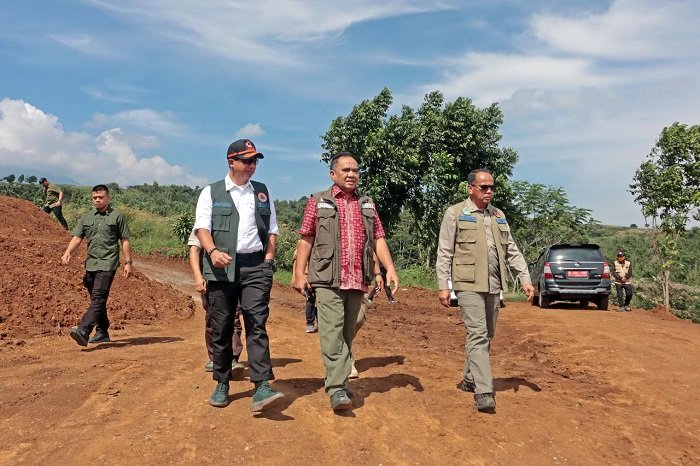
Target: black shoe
{"type": "Point", "coordinates": [468, 386]}
{"type": "Point", "coordinates": [340, 401]}
{"type": "Point", "coordinates": [79, 336]}
{"type": "Point", "coordinates": [100, 338]}
{"type": "Point", "coordinates": [485, 402]}
{"type": "Point", "coordinates": [349, 392]}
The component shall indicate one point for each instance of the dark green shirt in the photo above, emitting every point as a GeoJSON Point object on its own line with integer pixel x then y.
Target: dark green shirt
{"type": "Point", "coordinates": [103, 231]}
{"type": "Point", "coordinates": [51, 193]}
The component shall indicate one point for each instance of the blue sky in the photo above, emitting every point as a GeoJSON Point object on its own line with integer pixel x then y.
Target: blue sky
{"type": "Point", "coordinates": [137, 91]}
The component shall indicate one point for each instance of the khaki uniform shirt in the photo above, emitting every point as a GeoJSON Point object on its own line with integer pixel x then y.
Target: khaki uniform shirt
{"type": "Point", "coordinates": [446, 249]}
{"type": "Point", "coordinates": [103, 231]}
{"type": "Point", "coordinates": [51, 193]}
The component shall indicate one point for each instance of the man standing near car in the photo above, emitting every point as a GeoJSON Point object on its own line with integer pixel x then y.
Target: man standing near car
{"type": "Point", "coordinates": [475, 247]}
{"type": "Point", "coordinates": [236, 225]}
{"type": "Point", "coordinates": [622, 277]}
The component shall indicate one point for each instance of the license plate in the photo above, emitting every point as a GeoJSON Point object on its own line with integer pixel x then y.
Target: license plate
{"type": "Point", "coordinates": [577, 273]}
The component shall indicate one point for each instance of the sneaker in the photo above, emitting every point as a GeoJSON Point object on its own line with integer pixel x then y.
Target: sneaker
{"type": "Point", "coordinates": [393, 301]}
{"type": "Point", "coordinates": [264, 396]}
{"type": "Point", "coordinates": [100, 338]}
{"type": "Point", "coordinates": [209, 367]}
{"type": "Point", "coordinates": [485, 402]}
{"type": "Point", "coordinates": [467, 386]}
{"type": "Point", "coordinates": [628, 309]}
{"type": "Point", "coordinates": [353, 371]}
{"type": "Point", "coordinates": [219, 398]}
{"type": "Point", "coordinates": [310, 328]}
{"type": "Point", "coordinates": [79, 336]}
{"type": "Point", "coordinates": [237, 368]}
{"type": "Point", "coordinates": [340, 401]}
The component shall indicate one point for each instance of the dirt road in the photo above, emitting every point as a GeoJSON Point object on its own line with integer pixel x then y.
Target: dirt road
{"type": "Point", "coordinates": [573, 387]}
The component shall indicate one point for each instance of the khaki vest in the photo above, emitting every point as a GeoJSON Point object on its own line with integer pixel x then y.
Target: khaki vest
{"type": "Point", "coordinates": [622, 270]}
{"type": "Point", "coordinates": [324, 264]}
{"type": "Point", "coordinates": [224, 229]}
{"type": "Point", "coordinates": [470, 265]}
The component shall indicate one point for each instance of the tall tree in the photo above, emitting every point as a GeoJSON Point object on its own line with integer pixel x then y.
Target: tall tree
{"type": "Point", "coordinates": [418, 159]}
{"type": "Point", "coordinates": [667, 187]}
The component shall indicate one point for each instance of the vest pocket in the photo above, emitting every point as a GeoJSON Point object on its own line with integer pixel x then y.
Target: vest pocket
{"type": "Point", "coordinates": [321, 266]}
{"type": "Point", "coordinates": [463, 268]}
{"type": "Point", "coordinates": [505, 232]}
{"type": "Point", "coordinates": [221, 219]}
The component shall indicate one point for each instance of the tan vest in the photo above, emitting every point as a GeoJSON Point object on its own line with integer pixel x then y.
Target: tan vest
{"type": "Point", "coordinates": [324, 264]}
{"type": "Point", "coordinates": [470, 265]}
{"type": "Point", "coordinates": [622, 270]}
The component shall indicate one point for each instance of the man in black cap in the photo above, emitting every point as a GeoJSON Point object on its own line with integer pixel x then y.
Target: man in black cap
{"type": "Point", "coordinates": [53, 197]}
{"type": "Point", "coordinates": [236, 225]}
{"type": "Point", "coordinates": [622, 276]}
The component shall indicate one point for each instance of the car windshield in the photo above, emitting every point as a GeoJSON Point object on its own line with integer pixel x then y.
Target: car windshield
{"type": "Point", "coordinates": [575, 254]}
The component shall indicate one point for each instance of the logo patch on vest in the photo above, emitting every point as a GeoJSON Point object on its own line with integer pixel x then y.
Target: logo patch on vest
{"type": "Point", "coordinates": [262, 197]}
{"type": "Point", "coordinates": [501, 220]}
{"type": "Point", "coordinates": [367, 205]}
{"type": "Point", "coordinates": [325, 205]}
{"type": "Point", "coordinates": [222, 204]}
{"type": "Point", "coordinates": [467, 218]}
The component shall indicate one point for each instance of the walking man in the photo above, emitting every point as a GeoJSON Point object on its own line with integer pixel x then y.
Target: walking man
{"type": "Point", "coordinates": [340, 233]}
{"type": "Point", "coordinates": [622, 277]}
{"type": "Point", "coordinates": [236, 225]}
{"type": "Point", "coordinates": [104, 228]}
{"type": "Point", "coordinates": [53, 198]}
{"type": "Point", "coordinates": [474, 248]}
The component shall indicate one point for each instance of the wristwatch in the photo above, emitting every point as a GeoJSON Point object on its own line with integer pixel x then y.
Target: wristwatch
{"type": "Point", "coordinates": [272, 264]}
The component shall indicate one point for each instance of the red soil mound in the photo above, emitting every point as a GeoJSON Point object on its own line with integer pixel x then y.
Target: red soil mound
{"type": "Point", "coordinates": [39, 295]}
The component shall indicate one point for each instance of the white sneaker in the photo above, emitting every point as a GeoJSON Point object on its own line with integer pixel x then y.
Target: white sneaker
{"type": "Point", "coordinates": [353, 371]}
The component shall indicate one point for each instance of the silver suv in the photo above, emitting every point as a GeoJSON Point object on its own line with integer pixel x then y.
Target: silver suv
{"type": "Point", "coordinates": [571, 272]}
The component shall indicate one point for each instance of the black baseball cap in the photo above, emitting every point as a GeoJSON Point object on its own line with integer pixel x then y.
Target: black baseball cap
{"type": "Point", "coordinates": [41, 180]}
{"type": "Point", "coordinates": [620, 253]}
{"type": "Point", "coordinates": [243, 149]}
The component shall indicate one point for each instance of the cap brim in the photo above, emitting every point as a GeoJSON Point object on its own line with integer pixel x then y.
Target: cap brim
{"type": "Point", "coordinates": [246, 156]}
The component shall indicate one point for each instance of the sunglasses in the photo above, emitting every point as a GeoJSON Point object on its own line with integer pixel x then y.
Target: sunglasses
{"type": "Point", "coordinates": [485, 187]}
{"type": "Point", "coordinates": [253, 161]}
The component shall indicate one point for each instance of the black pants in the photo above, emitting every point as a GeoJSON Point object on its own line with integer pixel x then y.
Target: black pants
{"type": "Point", "coordinates": [252, 290]}
{"type": "Point", "coordinates": [98, 284]}
{"type": "Point", "coordinates": [237, 330]}
{"type": "Point", "coordinates": [58, 212]}
{"type": "Point", "coordinates": [627, 294]}
{"type": "Point", "coordinates": [311, 311]}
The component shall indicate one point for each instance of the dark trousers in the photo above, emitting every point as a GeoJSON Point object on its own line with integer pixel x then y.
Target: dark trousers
{"type": "Point", "coordinates": [237, 344]}
{"type": "Point", "coordinates": [98, 284]}
{"type": "Point", "coordinates": [252, 290]}
{"type": "Point", "coordinates": [58, 212]}
{"type": "Point", "coordinates": [624, 298]}
{"type": "Point", "coordinates": [311, 311]}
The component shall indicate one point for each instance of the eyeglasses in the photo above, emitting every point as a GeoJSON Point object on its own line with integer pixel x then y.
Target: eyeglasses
{"type": "Point", "coordinates": [485, 187]}
{"type": "Point", "coordinates": [253, 161]}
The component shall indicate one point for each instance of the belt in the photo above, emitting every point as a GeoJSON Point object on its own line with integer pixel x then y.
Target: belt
{"type": "Point", "coordinates": [249, 259]}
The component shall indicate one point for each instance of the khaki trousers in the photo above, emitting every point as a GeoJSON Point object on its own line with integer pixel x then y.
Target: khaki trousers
{"type": "Point", "coordinates": [337, 317]}
{"type": "Point", "coordinates": [479, 312]}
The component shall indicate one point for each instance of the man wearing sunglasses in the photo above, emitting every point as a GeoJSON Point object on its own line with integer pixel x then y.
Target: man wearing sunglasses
{"type": "Point", "coordinates": [475, 247]}
{"type": "Point", "coordinates": [236, 225]}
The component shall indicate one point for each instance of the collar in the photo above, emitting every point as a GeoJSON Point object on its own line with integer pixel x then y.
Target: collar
{"type": "Point", "coordinates": [337, 192]}
{"type": "Point", "coordinates": [471, 207]}
{"type": "Point", "coordinates": [231, 185]}
{"type": "Point", "coordinates": [107, 211]}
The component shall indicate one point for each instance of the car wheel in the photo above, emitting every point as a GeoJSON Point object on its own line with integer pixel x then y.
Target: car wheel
{"type": "Point", "coordinates": [603, 303]}
{"type": "Point", "coordinates": [584, 303]}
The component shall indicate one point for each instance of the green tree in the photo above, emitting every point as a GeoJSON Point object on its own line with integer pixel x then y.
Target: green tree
{"type": "Point", "coordinates": [31, 179]}
{"type": "Point", "coordinates": [10, 178]}
{"type": "Point", "coordinates": [20, 179]}
{"type": "Point", "coordinates": [415, 160]}
{"type": "Point", "coordinates": [667, 187]}
{"type": "Point", "coordinates": [546, 217]}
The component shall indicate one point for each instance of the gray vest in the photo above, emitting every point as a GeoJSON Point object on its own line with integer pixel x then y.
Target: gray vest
{"type": "Point", "coordinates": [224, 228]}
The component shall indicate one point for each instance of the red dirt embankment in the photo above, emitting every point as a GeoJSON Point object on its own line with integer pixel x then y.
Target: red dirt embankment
{"type": "Point", "coordinates": [39, 295]}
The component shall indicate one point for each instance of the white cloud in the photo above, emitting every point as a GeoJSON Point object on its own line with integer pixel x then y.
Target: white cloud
{"type": "Point", "coordinates": [144, 119]}
{"type": "Point", "coordinates": [251, 130]}
{"type": "Point", "coordinates": [85, 44]}
{"type": "Point", "coordinates": [35, 139]}
{"type": "Point", "coordinates": [629, 30]}
{"type": "Point", "coordinates": [260, 31]}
